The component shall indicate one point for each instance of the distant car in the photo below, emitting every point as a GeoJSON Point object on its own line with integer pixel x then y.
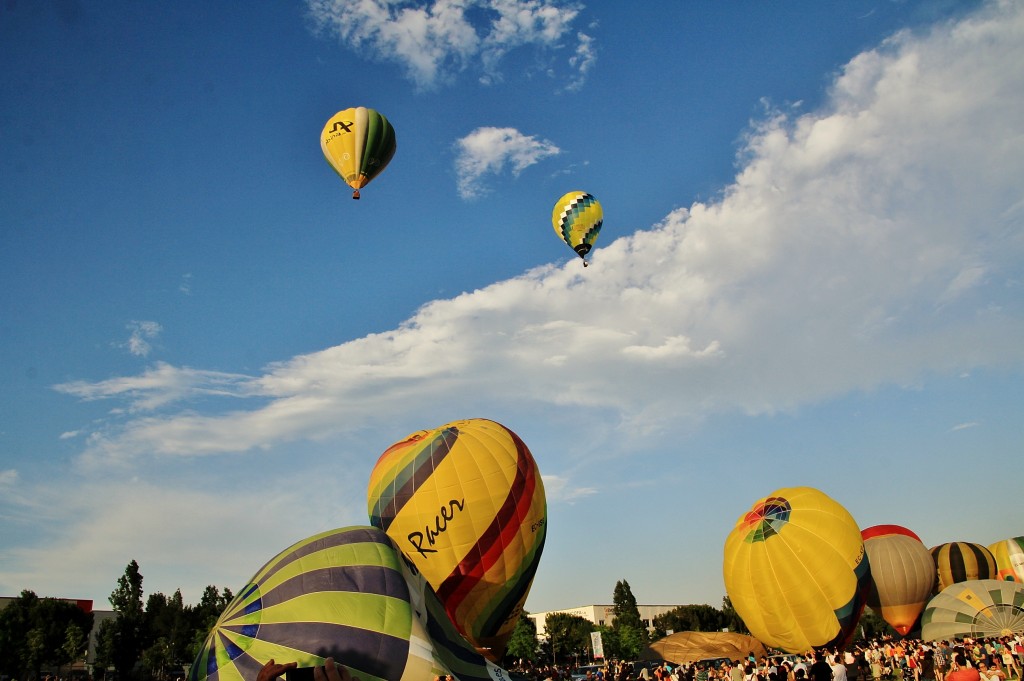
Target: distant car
{"type": "Point", "coordinates": [716, 662]}
{"type": "Point", "coordinates": [581, 672]}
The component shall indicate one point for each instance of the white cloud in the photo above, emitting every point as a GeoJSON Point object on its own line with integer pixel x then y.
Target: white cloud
{"type": "Point", "coordinates": [161, 385]}
{"type": "Point", "coordinates": [434, 40]}
{"type": "Point", "coordinates": [558, 489]}
{"type": "Point", "coordinates": [965, 426]}
{"type": "Point", "coordinates": [85, 534]}
{"type": "Point", "coordinates": [8, 477]}
{"type": "Point", "coordinates": [490, 151]}
{"type": "Point", "coordinates": [142, 332]}
{"type": "Point", "coordinates": [582, 61]}
{"type": "Point", "coordinates": [826, 268]}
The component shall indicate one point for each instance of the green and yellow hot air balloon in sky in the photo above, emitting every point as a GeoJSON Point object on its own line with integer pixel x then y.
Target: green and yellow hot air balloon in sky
{"type": "Point", "coordinates": [577, 218]}
{"type": "Point", "coordinates": [359, 144]}
{"type": "Point", "coordinates": [465, 503]}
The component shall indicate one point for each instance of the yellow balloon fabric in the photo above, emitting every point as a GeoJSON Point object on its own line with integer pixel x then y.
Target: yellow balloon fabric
{"type": "Point", "coordinates": [962, 561]}
{"type": "Point", "coordinates": [796, 571]}
{"type": "Point", "coordinates": [465, 503]}
{"type": "Point", "coordinates": [902, 575]}
{"type": "Point", "coordinates": [358, 143]}
{"type": "Point", "coordinates": [577, 218]}
{"type": "Point", "coordinates": [1009, 555]}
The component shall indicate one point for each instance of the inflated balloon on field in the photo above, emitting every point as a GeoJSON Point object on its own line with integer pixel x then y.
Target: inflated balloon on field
{"type": "Point", "coordinates": [577, 218]}
{"type": "Point", "coordinates": [347, 594]}
{"type": "Point", "coordinates": [1009, 555]}
{"type": "Point", "coordinates": [981, 608]}
{"type": "Point", "coordinates": [358, 143]}
{"type": "Point", "coordinates": [902, 575]}
{"type": "Point", "coordinates": [961, 561]}
{"type": "Point", "coordinates": [465, 503]}
{"type": "Point", "coordinates": [796, 571]}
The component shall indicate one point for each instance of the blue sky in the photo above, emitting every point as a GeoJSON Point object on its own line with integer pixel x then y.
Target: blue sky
{"type": "Point", "coordinates": [810, 273]}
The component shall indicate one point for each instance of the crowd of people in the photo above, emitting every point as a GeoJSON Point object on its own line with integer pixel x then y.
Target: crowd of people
{"type": "Point", "coordinates": [986, 659]}
{"type": "Point", "coordinates": [970, 659]}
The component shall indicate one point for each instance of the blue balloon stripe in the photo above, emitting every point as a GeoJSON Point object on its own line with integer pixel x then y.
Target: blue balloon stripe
{"type": "Point", "coordinates": [366, 579]}
{"type": "Point", "coordinates": [355, 535]}
{"type": "Point", "coordinates": [375, 653]}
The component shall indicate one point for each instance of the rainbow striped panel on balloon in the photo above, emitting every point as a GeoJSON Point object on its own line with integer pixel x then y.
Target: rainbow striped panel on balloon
{"type": "Point", "coordinates": [465, 503]}
{"type": "Point", "coordinates": [796, 571]}
{"type": "Point", "coordinates": [1009, 555]}
{"type": "Point", "coordinates": [347, 594]}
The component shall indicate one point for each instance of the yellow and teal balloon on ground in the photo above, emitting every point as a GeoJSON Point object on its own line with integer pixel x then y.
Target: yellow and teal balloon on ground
{"type": "Point", "coordinates": [347, 594]}
{"type": "Point", "coordinates": [358, 143]}
{"type": "Point", "coordinates": [796, 571]}
{"type": "Point", "coordinates": [577, 218]}
{"type": "Point", "coordinates": [1009, 555]}
{"type": "Point", "coordinates": [465, 503]}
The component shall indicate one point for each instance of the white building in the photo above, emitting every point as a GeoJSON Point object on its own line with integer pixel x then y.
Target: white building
{"type": "Point", "coordinates": [600, 615]}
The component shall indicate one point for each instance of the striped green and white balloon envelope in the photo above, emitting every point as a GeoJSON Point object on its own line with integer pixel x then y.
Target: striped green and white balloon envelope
{"type": "Point", "coordinates": [347, 594]}
{"type": "Point", "coordinates": [976, 608]}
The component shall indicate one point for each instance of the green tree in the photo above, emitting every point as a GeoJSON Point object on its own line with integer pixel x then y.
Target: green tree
{"type": "Point", "coordinates": [129, 634]}
{"type": "Point", "coordinates": [630, 633]}
{"type": "Point", "coordinates": [34, 632]}
{"type": "Point", "coordinates": [202, 617]}
{"type": "Point", "coordinates": [76, 644]}
{"type": "Point", "coordinates": [689, 618]}
{"type": "Point", "coordinates": [169, 628]}
{"type": "Point", "coordinates": [15, 623]}
{"type": "Point", "coordinates": [106, 642]}
{"type": "Point", "coordinates": [872, 626]}
{"type": "Point", "coordinates": [522, 645]}
{"type": "Point", "coordinates": [568, 637]}
{"type": "Point", "coordinates": [624, 608]}
{"type": "Point", "coordinates": [731, 619]}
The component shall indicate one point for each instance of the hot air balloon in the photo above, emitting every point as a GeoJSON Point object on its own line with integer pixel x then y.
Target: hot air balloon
{"type": "Point", "coordinates": [347, 594]}
{"type": "Point", "coordinates": [577, 219]}
{"type": "Point", "coordinates": [960, 561]}
{"type": "Point", "coordinates": [796, 571]}
{"type": "Point", "coordinates": [1009, 555]}
{"type": "Point", "coordinates": [902, 575]}
{"type": "Point", "coordinates": [359, 144]}
{"type": "Point", "coordinates": [976, 608]}
{"type": "Point", "coordinates": [466, 505]}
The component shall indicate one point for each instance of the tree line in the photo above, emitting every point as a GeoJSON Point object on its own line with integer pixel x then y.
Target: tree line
{"type": "Point", "coordinates": [151, 640]}
{"type": "Point", "coordinates": [568, 637]}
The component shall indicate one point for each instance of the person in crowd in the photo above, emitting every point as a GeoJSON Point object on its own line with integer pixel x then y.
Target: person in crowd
{"type": "Point", "coordinates": [820, 670]}
{"type": "Point", "coordinates": [961, 671]}
{"type": "Point", "coordinates": [838, 668]}
{"type": "Point", "coordinates": [1009, 661]}
{"type": "Point", "coordinates": [987, 673]}
{"type": "Point", "coordinates": [940, 657]}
